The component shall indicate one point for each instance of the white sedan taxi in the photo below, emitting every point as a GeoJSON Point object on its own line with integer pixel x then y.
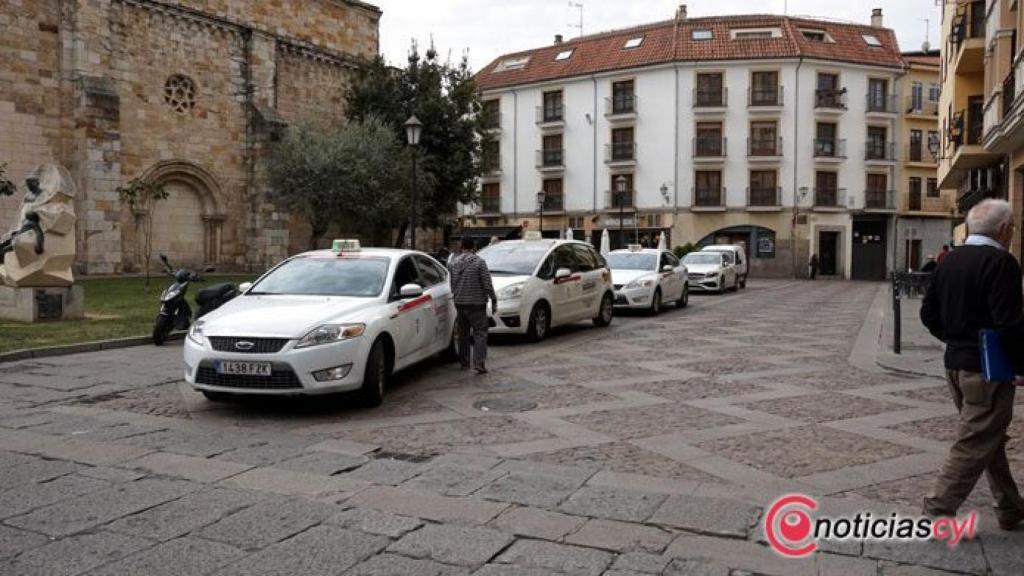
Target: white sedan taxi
{"type": "Point", "coordinates": [325, 321]}
{"type": "Point", "coordinates": [646, 278]}
{"type": "Point", "coordinates": [543, 283]}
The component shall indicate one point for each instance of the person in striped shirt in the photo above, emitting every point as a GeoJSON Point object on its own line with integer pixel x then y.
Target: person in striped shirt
{"type": "Point", "coordinates": [472, 288]}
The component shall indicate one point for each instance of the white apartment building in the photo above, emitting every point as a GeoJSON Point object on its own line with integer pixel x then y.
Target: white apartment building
{"type": "Point", "coordinates": [775, 132]}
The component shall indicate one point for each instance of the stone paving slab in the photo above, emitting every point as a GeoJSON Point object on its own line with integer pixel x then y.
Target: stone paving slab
{"type": "Point", "coordinates": [186, 514]}
{"type": "Point", "coordinates": [620, 536]}
{"type": "Point", "coordinates": [395, 565]}
{"type": "Point", "coordinates": [291, 483]}
{"type": "Point", "coordinates": [188, 467]}
{"type": "Point", "coordinates": [536, 523]}
{"type": "Point", "coordinates": [14, 541]}
{"type": "Point", "coordinates": [715, 516]}
{"type": "Point", "coordinates": [457, 545]}
{"type": "Point", "coordinates": [319, 551]}
{"type": "Point", "coordinates": [375, 522]}
{"type": "Point", "coordinates": [556, 558]}
{"type": "Point", "coordinates": [181, 557]}
{"type": "Point", "coordinates": [27, 497]}
{"type": "Point", "coordinates": [258, 526]}
{"type": "Point", "coordinates": [429, 506]}
{"type": "Point", "coordinates": [74, 555]}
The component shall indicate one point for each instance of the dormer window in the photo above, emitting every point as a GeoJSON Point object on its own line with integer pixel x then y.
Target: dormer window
{"type": "Point", "coordinates": [564, 55]}
{"type": "Point", "coordinates": [872, 40]}
{"type": "Point", "coordinates": [816, 35]}
{"type": "Point", "coordinates": [756, 33]}
{"type": "Point", "coordinates": [633, 43]}
{"type": "Point", "coordinates": [703, 35]}
{"type": "Point", "coordinates": [512, 64]}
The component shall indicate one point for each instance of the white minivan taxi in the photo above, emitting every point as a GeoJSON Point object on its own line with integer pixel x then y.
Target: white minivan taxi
{"type": "Point", "coordinates": [735, 255]}
{"type": "Point", "coordinates": [543, 283]}
{"type": "Point", "coordinates": [645, 278]}
{"type": "Point", "coordinates": [324, 321]}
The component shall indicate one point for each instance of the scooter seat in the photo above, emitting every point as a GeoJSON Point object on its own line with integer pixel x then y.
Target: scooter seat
{"type": "Point", "coordinates": [214, 292]}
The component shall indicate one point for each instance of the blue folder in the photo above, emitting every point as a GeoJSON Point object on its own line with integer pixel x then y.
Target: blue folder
{"type": "Point", "coordinates": [995, 364]}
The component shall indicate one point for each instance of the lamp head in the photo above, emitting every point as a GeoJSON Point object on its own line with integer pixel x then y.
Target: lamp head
{"type": "Point", "coordinates": [413, 129]}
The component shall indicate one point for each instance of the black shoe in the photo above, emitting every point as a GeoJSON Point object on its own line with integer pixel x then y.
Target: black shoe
{"type": "Point", "coordinates": [463, 366]}
{"type": "Point", "coordinates": [1010, 520]}
{"type": "Point", "coordinates": [481, 370]}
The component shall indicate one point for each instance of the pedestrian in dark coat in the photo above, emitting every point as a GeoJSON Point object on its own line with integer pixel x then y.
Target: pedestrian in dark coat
{"type": "Point", "coordinates": [813, 264]}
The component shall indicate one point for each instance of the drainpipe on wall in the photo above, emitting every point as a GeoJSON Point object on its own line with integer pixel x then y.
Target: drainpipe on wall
{"type": "Point", "coordinates": [515, 149]}
{"type": "Point", "coordinates": [593, 123]}
{"type": "Point", "coordinates": [675, 155]}
{"type": "Point", "coordinates": [796, 166]}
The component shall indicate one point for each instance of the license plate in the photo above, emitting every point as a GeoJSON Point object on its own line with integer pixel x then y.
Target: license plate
{"type": "Point", "coordinates": [244, 368]}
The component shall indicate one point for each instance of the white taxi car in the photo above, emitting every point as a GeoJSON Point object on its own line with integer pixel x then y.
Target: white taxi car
{"type": "Point", "coordinates": [710, 271]}
{"type": "Point", "coordinates": [543, 283]}
{"type": "Point", "coordinates": [324, 321]}
{"type": "Point", "coordinates": [646, 277]}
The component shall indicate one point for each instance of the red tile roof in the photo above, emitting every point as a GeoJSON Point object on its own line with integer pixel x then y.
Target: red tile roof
{"type": "Point", "coordinates": [671, 41]}
{"type": "Point", "coordinates": [931, 58]}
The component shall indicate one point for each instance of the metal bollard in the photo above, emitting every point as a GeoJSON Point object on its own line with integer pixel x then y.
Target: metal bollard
{"type": "Point", "coordinates": [897, 316]}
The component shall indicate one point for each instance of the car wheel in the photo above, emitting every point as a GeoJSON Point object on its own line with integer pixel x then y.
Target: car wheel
{"type": "Point", "coordinates": [216, 396]}
{"type": "Point", "coordinates": [606, 312]}
{"type": "Point", "coordinates": [684, 299]}
{"type": "Point", "coordinates": [736, 284]}
{"type": "Point", "coordinates": [540, 322]}
{"type": "Point", "coordinates": [656, 303]}
{"type": "Point", "coordinates": [376, 376]}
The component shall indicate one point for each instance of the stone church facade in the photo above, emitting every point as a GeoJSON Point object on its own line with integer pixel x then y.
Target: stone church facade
{"type": "Point", "coordinates": [186, 93]}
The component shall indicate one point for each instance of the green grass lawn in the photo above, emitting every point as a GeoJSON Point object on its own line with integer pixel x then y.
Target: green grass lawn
{"type": "Point", "coordinates": [114, 308]}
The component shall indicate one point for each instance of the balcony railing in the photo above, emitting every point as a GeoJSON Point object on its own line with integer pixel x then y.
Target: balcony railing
{"type": "Point", "coordinates": [554, 202]}
{"type": "Point", "coordinates": [922, 108]}
{"type": "Point", "coordinates": [614, 200]}
{"type": "Point", "coordinates": [830, 99]}
{"type": "Point", "coordinates": [764, 197]}
{"type": "Point", "coordinates": [919, 153]}
{"type": "Point", "coordinates": [624, 104]}
{"type": "Point", "coordinates": [830, 197]}
{"type": "Point", "coordinates": [550, 158]}
{"type": "Point", "coordinates": [709, 197]}
{"type": "Point", "coordinates": [550, 113]}
{"type": "Point", "coordinates": [764, 147]}
{"type": "Point", "coordinates": [490, 120]}
{"type": "Point", "coordinates": [967, 24]}
{"type": "Point", "coordinates": [490, 163]}
{"type": "Point", "coordinates": [882, 103]}
{"type": "Point", "coordinates": [1009, 92]}
{"type": "Point", "coordinates": [758, 96]}
{"type": "Point", "coordinates": [830, 148]}
{"type": "Point", "coordinates": [709, 147]}
{"type": "Point", "coordinates": [882, 151]}
{"type": "Point", "coordinates": [914, 200]}
{"type": "Point", "coordinates": [620, 152]}
{"type": "Point", "coordinates": [879, 200]}
{"type": "Point", "coordinates": [490, 204]}
{"type": "Point", "coordinates": [716, 98]}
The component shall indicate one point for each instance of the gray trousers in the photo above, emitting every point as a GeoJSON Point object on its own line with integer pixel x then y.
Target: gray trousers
{"type": "Point", "coordinates": [986, 409]}
{"type": "Point", "coordinates": [471, 322]}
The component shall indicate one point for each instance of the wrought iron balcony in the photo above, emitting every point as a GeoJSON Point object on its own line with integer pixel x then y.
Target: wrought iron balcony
{"type": "Point", "coordinates": [551, 159]}
{"type": "Point", "coordinates": [880, 151]}
{"type": "Point", "coordinates": [765, 97]}
{"type": "Point", "coordinates": [615, 200]}
{"type": "Point", "coordinates": [879, 200]}
{"type": "Point", "coordinates": [710, 147]}
{"type": "Point", "coordinates": [710, 98]}
{"type": "Point", "coordinates": [622, 105]}
{"type": "Point", "coordinates": [830, 99]}
{"type": "Point", "coordinates": [827, 148]}
{"type": "Point", "coordinates": [709, 197]}
{"type": "Point", "coordinates": [620, 152]}
{"type": "Point", "coordinates": [764, 147]}
{"type": "Point", "coordinates": [882, 103]}
{"type": "Point", "coordinates": [551, 114]}
{"type": "Point", "coordinates": [490, 204]}
{"type": "Point", "coordinates": [825, 198]}
{"type": "Point", "coordinates": [764, 197]}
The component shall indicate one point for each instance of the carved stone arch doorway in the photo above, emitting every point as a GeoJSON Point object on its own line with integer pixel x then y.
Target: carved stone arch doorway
{"type": "Point", "coordinates": [187, 226]}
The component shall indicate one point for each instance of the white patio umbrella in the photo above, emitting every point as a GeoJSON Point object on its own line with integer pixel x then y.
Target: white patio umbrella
{"type": "Point", "coordinates": [606, 243]}
{"type": "Point", "coordinates": [568, 234]}
{"type": "Point", "coordinates": [661, 241]}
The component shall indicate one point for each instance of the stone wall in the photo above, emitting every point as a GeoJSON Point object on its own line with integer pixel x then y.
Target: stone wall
{"type": "Point", "coordinates": [86, 84]}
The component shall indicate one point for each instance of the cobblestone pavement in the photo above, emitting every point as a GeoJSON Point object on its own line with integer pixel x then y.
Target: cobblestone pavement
{"type": "Point", "coordinates": [650, 447]}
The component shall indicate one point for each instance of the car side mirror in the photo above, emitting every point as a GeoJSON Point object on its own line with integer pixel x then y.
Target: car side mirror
{"type": "Point", "coordinates": [562, 273]}
{"type": "Point", "coordinates": [411, 291]}
{"type": "Point", "coordinates": [244, 286]}
{"type": "Point", "coordinates": [668, 268]}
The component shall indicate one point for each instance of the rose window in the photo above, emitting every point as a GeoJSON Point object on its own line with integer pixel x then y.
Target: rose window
{"type": "Point", "coordinates": [180, 93]}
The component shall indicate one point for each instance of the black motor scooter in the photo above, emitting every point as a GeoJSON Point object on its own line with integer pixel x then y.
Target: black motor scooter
{"type": "Point", "coordinates": [175, 313]}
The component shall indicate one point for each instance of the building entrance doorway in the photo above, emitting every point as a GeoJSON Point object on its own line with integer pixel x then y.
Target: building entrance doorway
{"type": "Point", "coordinates": [828, 253]}
{"type": "Point", "coordinates": [869, 241]}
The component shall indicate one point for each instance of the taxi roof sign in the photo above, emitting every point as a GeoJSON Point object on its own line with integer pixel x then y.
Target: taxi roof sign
{"type": "Point", "coordinates": [533, 235]}
{"type": "Point", "coordinates": [635, 247]}
{"type": "Point", "coordinates": [345, 245]}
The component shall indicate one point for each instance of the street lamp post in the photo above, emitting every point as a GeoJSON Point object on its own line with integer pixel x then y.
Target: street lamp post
{"type": "Point", "coordinates": [541, 197]}
{"type": "Point", "coordinates": [620, 193]}
{"type": "Point", "coordinates": [413, 129]}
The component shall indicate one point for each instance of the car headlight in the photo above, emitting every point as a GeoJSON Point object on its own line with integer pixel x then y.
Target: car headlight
{"type": "Point", "coordinates": [195, 333]}
{"type": "Point", "coordinates": [513, 292]}
{"type": "Point", "coordinates": [642, 282]}
{"type": "Point", "coordinates": [329, 333]}
{"type": "Point", "coordinates": [711, 274]}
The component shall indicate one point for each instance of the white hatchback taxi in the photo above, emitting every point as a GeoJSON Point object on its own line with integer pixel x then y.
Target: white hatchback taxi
{"type": "Point", "coordinates": [645, 278]}
{"type": "Point", "coordinates": [324, 321]}
{"type": "Point", "coordinates": [543, 283]}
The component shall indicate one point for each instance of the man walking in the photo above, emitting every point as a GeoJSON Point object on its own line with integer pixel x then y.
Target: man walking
{"type": "Point", "coordinates": [471, 287]}
{"type": "Point", "coordinates": [978, 286]}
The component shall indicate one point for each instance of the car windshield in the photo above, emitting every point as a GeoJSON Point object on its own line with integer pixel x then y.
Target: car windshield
{"type": "Point", "coordinates": [360, 277]}
{"type": "Point", "coordinates": [632, 261]}
{"type": "Point", "coordinates": [702, 258]}
{"type": "Point", "coordinates": [515, 258]}
{"type": "Point", "coordinates": [727, 256]}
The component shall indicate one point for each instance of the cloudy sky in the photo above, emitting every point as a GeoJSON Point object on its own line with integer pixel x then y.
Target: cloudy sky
{"type": "Point", "coordinates": [489, 28]}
